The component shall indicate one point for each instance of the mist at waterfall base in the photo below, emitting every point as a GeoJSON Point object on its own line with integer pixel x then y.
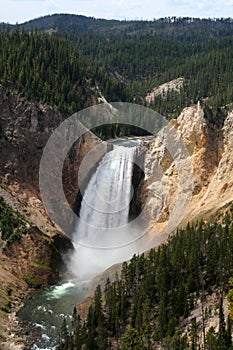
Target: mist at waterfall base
{"type": "Point", "coordinates": [103, 236]}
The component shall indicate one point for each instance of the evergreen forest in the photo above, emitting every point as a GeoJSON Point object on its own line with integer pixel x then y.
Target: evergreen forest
{"type": "Point", "coordinates": [146, 306]}
{"type": "Point", "coordinates": [68, 61]}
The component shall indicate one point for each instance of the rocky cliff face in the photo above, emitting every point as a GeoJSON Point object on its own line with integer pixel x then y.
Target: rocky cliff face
{"type": "Point", "coordinates": [35, 259]}
{"type": "Point", "coordinates": [210, 150]}
{"type": "Point", "coordinates": [25, 127]}
{"type": "Point", "coordinates": [210, 155]}
{"type": "Point", "coordinates": [32, 260]}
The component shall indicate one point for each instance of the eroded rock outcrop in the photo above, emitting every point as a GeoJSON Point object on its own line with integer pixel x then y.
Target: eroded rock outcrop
{"type": "Point", "coordinates": [210, 154]}
{"type": "Point", "coordinates": [25, 128]}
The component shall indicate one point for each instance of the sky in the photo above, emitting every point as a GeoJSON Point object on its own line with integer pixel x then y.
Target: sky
{"type": "Point", "coordinates": [13, 11]}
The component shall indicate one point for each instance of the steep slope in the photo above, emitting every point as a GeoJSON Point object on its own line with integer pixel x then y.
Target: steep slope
{"type": "Point", "coordinates": [33, 258]}
{"type": "Point", "coordinates": [28, 259]}
{"type": "Point", "coordinates": [25, 128]}
{"type": "Point", "coordinates": [171, 298]}
{"type": "Point", "coordinates": [127, 59]}
{"type": "Point", "coordinates": [53, 70]}
{"type": "Point", "coordinates": [210, 155]}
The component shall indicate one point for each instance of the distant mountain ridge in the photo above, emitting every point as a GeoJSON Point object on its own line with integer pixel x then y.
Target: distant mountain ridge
{"type": "Point", "coordinates": [78, 23]}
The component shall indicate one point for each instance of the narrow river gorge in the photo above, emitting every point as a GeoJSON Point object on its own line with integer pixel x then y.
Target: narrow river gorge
{"type": "Point", "coordinates": [101, 238]}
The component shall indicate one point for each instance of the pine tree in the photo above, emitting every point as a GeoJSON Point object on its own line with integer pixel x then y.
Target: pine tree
{"type": "Point", "coordinates": [222, 333]}
{"type": "Point", "coordinates": [64, 336]}
{"type": "Point", "coordinates": [211, 342]}
{"type": "Point", "coordinates": [131, 340]}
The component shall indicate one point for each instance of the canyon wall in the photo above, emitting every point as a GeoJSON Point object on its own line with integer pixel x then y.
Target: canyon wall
{"type": "Point", "coordinates": [25, 127]}
{"type": "Point", "coordinates": [209, 149]}
{"type": "Point", "coordinates": [35, 259]}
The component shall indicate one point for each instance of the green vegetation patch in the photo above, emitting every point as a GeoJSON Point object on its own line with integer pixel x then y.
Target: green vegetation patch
{"type": "Point", "coordinates": [12, 223]}
{"type": "Point", "coordinates": [33, 280]}
{"type": "Point", "coordinates": [42, 266]}
{"type": "Point", "coordinates": [6, 308]}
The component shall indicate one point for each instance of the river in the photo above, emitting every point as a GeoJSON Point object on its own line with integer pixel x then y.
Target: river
{"type": "Point", "coordinates": [47, 309]}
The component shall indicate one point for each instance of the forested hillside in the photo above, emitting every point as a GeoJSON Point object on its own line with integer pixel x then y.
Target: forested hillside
{"type": "Point", "coordinates": [69, 56]}
{"type": "Point", "coordinates": [53, 71]}
{"type": "Point", "coordinates": [146, 306]}
{"type": "Point", "coordinates": [144, 60]}
{"type": "Point", "coordinates": [141, 55]}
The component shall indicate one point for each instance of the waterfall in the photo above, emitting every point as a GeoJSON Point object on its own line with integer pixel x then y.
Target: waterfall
{"type": "Point", "coordinates": [106, 200]}
{"type": "Point", "coordinates": [104, 213]}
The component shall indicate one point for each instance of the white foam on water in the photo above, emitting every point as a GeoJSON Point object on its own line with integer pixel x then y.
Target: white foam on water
{"type": "Point", "coordinates": [58, 291]}
{"type": "Point", "coordinates": [35, 347]}
{"type": "Point", "coordinates": [38, 325]}
{"type": "Point", "coordinates": [45, 337]}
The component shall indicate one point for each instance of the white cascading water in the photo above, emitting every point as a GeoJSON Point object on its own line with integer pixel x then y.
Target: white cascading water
{"type": "Point", "coordinates": [104, 213]}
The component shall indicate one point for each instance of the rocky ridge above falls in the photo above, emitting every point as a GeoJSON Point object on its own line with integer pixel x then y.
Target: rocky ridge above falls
{"type": "Point", "coordinates": [210, 154]}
